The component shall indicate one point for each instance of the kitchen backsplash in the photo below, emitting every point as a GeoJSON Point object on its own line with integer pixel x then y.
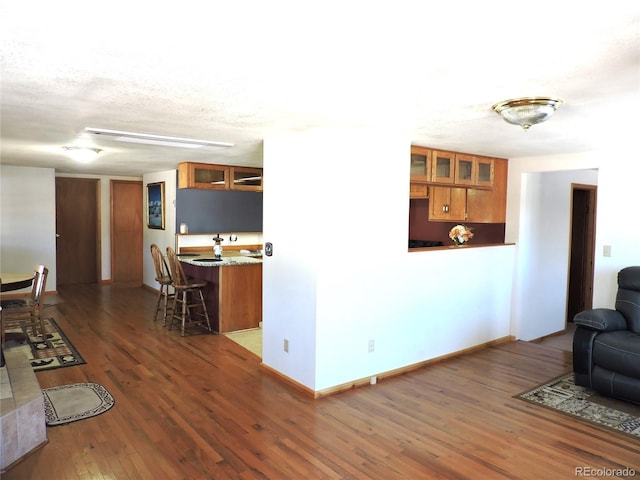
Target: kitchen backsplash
{"type": "Point", "coordinates": [420, 228]}
{"type": "Point", "coordinates": [206, 240]}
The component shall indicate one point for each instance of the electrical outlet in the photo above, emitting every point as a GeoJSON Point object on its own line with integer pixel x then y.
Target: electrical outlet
{"type": "Point", "coordinates": [286, 345]}
{"type": "Point", "coordinates": [372, 345]}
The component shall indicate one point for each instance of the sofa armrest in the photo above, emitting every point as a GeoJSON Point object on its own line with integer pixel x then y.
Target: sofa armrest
{"type": "Point", "coordinates": [601, 319]}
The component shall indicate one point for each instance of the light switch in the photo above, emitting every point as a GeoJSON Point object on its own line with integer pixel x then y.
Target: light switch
{"type": "Point", "coordinates": [606, 250]}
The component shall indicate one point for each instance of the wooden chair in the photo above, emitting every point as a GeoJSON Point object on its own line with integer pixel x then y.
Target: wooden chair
{"type": "Point", "coordinates": [17, 311]}
{"type": "Point", "coordinates": [163, 277]}
{"type": "Point", "coordinates": [188, 301]}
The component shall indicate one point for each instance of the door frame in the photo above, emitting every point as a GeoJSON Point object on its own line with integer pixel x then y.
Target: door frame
{"type": "Point", "coordinates": [590, 229]}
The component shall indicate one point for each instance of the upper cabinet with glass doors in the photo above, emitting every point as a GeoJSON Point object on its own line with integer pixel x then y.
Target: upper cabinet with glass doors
{"type": "Point", "coordinates": [420, 164]}
{"type": "Point", "coordinates": [245, 178]}
{"type": "Point", "coordinates": [485, 171]}
{"type": "Point", "coordinates": [443, 166]}
{"type": "Point", "coordinates": [203, 176]}
{"type": "Point", "coordinates": [219, 177]}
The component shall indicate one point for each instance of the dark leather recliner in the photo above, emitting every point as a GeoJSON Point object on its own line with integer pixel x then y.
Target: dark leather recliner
{"type": "Point", "coordinates": [606, 343]}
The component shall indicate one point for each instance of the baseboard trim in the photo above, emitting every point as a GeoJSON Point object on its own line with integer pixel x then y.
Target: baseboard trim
{"type": "Point", "coordinates": [288, 380]}
{"type": "Point", "coordinates": [316, 394]}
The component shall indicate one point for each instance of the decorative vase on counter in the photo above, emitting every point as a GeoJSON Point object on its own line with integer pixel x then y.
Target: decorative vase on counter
{"type": "Point", "coordinates": [217, 247]}
{"type": "Point", "coordinates": [460, 235]}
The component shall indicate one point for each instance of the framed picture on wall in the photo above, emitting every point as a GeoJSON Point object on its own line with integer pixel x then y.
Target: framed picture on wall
{"type": "Point", "coordinates": [155, 205]}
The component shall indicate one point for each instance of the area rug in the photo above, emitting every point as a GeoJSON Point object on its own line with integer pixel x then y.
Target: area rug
{"type": "Point", "coordinates": [563, 395]}
{"type": "Point", "coordinates": [78, 401]}
{"type": "Point", "coordinates": [56, 352]}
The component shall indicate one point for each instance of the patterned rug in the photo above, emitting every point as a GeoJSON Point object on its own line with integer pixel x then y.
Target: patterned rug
{"type": "Point", "coordinates": [78, 401]}
{"type": "Point", "coordinates": [563, 395]}
{"type": "Point", "coordinates": [56, 352]}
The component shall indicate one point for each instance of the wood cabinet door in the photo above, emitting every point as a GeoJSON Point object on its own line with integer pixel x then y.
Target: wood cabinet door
{"type": "Point", "coordinates": [418, 190]}
{"type": "Point", "coordinates": [203, 176]}
{"type": "Point", "coordinates": [442, 166]}
{"type": "Point", "coordinates": [485, 172]}
{"type": "Point", "coordinates": [447, 203]}
{"type": "Point", "coordinates": [466, 172]}
{"type": "Point", "coordinates": [480, 205]}
{"type": "Point", "coordinates": [489, 206]}
{"type": "Point", "coordinates": [420, 164]}
{"type": "Point", "coordinates": [245, 178]}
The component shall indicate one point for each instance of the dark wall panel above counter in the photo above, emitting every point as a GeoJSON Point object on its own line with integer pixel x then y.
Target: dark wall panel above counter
{"type": "Point", "coordinates": [420, 228]}
{"type": "Point", "coordinates": [207, 211]}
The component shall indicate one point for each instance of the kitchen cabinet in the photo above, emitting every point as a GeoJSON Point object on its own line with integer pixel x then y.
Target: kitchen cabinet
{"type": "Point", "coordinates": [447, 204]}
{"type": "Point", "coordinates": [233, 295]}
{"type": "Point", "coordinates": [489, 205]}
{"type": "Point", "coordinates": [473, 170]}
{"type": "Point", "coordinates": [418, 190]}
{"type": "Point", "coordinates": [465, 169]}
{"type": "Point", "coordinates": [485, 173]}
{"type": "Point", "coordinates": [420, 164]}
{"type": "Point", "coordinates": [203, 175]}
{"type": "Point", "coordinates": [245, 178]}
{"type": "Point", "coordinates": [219, 177]}
{"type": "Point", "coordinates": [442, 166]}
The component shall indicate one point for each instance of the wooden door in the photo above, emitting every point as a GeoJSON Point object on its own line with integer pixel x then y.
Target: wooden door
{"type": "Point", "coordinates": [582, 252]}
{"type": "Point", "coordinates": [126, 232]}
{"type": "Point", "coordinates": [78, 231]}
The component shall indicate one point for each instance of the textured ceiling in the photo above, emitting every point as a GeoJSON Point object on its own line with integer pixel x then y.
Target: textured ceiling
{"type": "Point", "coordinates": [243, 71]}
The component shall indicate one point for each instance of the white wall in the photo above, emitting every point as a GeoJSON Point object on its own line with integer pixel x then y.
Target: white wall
{"type": "Point", "coordinates": [28, 220]}
{"type": "Point", "coordinates": [28, 225]}
{"type": "Point", "coordinates": [336, 210]}
{"type": "Point", "coordinates": [163, 238]}
{"type": "Point", "coordinates": [538, 220]}
{"type": "Point", "coordinates": [544, 241]}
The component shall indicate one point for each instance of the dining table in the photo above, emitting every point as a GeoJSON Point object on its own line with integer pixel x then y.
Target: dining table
{"type": "Point", "coordinates": [15, 281]}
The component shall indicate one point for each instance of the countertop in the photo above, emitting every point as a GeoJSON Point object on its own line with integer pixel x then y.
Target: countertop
{"type": "Point", "coordinates": [227, 260]}
{"type": "Point", "coordinates": [457, 247]}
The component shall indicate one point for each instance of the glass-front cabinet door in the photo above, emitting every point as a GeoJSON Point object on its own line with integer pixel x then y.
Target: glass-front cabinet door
{"type": "Point", "coordinates": [203, 175]}
{"type": "Point", "coordinates": [245, 178]}
{"type": "Point", "coordinates": [465, 169]}
{"type": "Point", "coordinates": [442, 166]}
{"type": "Point", "coordinates": [485, 172]}
{"type": "Point", "coordinates": [420, 164]}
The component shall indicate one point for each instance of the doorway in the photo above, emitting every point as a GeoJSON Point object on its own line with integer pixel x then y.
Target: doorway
{"type": "Point", "coordinates": [582, 249]}
{"type": "Point", "coordinates": [77, 231]}
{"type": "Point", "coordinates": [126, 233]}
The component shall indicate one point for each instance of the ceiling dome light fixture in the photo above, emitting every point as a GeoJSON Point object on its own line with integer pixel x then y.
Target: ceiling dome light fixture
{"type": "Point", "coordinates": [527, 111]}
{"type": "Point", "coordinates": [82, 154]}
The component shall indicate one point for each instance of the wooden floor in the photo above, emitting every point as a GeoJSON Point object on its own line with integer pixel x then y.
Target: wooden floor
{"type": "Point", "coordinates": [200, 407]}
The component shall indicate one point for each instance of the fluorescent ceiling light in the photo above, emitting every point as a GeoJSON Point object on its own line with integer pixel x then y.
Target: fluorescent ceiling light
{"type": "Point", "coordinates": [150, 139]}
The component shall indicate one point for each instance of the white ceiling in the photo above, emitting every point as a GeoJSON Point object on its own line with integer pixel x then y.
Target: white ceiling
{"type": "Point", "coordinates": [240, 72]}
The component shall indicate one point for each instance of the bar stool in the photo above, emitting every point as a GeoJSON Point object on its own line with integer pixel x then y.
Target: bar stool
{"type": "Point", "coordinates": [163, 277]}
{"type": "Point", "coordinates": [188, 294]}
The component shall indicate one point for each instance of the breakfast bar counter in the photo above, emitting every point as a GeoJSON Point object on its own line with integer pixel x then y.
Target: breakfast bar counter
{"type": "Point", "coordinates": [234, 289]}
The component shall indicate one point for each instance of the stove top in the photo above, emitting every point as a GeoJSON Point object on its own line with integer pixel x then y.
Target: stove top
{"type": "Point", "coordinates": [424, 243]}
